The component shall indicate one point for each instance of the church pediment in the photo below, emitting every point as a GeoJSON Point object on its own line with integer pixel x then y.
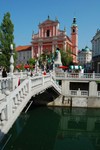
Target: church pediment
{"type": "Point", "coordinates": [48, 22]}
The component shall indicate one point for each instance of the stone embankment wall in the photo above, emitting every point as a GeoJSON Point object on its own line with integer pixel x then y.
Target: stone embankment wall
{"type": "Point", "coordinates": [51, 98]}
{"type": "Point", "coordinates": [91, 102]}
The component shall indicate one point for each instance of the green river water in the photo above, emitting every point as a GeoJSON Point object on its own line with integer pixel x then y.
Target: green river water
{"type": "Point", "coordinates": [55, 128]}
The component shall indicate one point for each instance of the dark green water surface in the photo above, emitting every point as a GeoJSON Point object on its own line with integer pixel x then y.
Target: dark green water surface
{"type": "Point", "coordinates": [55, 128]}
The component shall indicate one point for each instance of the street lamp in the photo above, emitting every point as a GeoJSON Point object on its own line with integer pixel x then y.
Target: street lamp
{"type": "Point", "coordinates": [11, 60]}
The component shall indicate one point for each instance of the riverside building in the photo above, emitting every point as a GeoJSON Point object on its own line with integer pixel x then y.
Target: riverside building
{"type": "Point", "coordinates": [85, 58]}
{"type": "Point", "coordinates": [96, 51]}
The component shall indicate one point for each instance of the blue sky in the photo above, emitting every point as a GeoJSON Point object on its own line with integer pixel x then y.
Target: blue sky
{"type": "Point", "coordinates": [26, 15]}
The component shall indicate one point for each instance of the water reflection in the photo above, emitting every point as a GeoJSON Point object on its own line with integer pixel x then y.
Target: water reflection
{"type": "Point", "coordinates": [78, 129]}
{"type": "Point", "coordinates": [56, 128]}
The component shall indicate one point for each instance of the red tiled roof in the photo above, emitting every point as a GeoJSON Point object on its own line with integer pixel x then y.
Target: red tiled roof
{"type": "Point", "coordinates": [23, 48]}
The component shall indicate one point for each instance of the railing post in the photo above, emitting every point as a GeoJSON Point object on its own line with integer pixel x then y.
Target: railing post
{"type": "Point", "coordinates": [79, 75]}
{"type": "Point", "coordinates": [21, 74]}
{"type": "Point", "coordinates": [43, 79]}
{"type": "Point", "coordinates": [79, 92]}
{"type": "Point", "coordinates": [93, 74]}
{"type": "Point", "coordinates": [93, 88]}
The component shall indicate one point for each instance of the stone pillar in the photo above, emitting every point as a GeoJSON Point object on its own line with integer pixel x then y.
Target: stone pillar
{"type": "Point", "coordinates": [93, 88]}
{"type": "Point", "coordinates": [65, 87]}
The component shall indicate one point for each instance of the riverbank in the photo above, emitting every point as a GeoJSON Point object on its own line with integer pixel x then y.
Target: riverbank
{"type": "Point", "coordinates": [50, 97]}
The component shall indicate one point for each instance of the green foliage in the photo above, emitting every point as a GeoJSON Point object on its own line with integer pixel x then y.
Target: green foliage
{"type": "Point", "coordinates": [6, 39]}
{"type": "Point", "coordinates": [66, 57]}
{"type": "Point", "coordinates": [31, 61]}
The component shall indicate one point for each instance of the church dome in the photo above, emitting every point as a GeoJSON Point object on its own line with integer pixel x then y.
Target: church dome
{"type": "Point", "coordinates": [86, 48]}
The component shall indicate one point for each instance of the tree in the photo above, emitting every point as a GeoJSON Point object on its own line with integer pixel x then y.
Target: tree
{"type": "Point", "coordinates": [6, 39]}
{"type": "Point", "coordinates": [31, 61]}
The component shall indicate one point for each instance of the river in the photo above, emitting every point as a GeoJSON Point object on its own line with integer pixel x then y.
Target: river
{"type": "Point", "coordinates": [55, 128]}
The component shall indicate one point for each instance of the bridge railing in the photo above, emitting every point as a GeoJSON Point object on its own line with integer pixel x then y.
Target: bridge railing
{"type": "Point", "coordinates": [5, 84]}
{"type": "Point", "coordinates": [79, 93]}
{"type": "Point", "coordinates": [12, 105]}
{"type": "Point", "coordinates": [77, 75]}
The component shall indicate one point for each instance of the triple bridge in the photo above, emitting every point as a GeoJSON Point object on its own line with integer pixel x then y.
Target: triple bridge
{"type": "Point", "coordinates": [15, 97]}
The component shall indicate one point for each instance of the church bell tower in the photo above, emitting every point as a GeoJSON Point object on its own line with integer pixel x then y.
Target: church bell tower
{"type": "Point", "coordinates": [74, 38]}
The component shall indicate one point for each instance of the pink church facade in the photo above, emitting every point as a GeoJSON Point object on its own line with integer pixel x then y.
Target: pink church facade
{"type": "Point", "coordinates": [50, 37]}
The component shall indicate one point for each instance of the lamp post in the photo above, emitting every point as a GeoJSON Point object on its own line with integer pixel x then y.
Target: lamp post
{"type": "Point", "coordinates": [11, 60]}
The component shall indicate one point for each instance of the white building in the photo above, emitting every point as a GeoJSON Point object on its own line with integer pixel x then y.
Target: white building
{"type": "Point", "coordinates": [96, 51]}
{"type": "Point", "coordinates": [23, 54]}
{"type": "Point", "coordinates": [85, 57]}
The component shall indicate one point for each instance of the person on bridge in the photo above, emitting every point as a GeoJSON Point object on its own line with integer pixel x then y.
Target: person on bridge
{"type": "Point", "coordinates": [4, 73]}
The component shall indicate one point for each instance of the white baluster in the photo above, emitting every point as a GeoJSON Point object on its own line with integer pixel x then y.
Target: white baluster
{"type": "Point", "coordinates": [14, 105]}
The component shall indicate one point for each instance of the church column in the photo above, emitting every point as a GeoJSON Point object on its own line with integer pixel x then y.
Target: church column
{"type": "Point", "coordinates": [39, 49]}
{"type": "Point", "coordinates": [52, 48]}
{"type": "Point", "coordinates": [45, 33]}
{"type": "Point", "coordinates": [64, 45]}
{"type": "Point", "coordinates": [50, 33]}
{"type": "Point", "coordinates": [42, 32]}
{"type": "Point", "coordinates": [53, 31]}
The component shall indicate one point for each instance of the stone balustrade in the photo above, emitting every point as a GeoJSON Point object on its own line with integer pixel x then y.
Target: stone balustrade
{"type": "Point", "coordinates": [62, 75]}
{"type": "Point", "coordinates": [79, 93]}
{"type": "Point", "coordinates": [5, 84]}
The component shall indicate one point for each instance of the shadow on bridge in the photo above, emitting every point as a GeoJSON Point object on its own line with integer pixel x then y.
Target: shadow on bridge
{"type": "Point", "coordinates": [43, 99]}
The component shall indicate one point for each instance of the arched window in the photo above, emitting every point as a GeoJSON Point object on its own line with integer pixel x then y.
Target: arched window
{"type": "Point", "coordinates": [48, 33]}
{"type": "Point", "coordinates": [73, 30]}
